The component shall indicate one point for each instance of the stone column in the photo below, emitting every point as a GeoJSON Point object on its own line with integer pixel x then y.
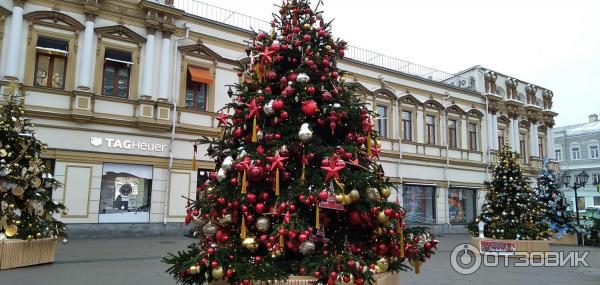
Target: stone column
{"type": "Point", "coordinates": [532, 140]}
{"type": "Point", "coordinates": [86, 66]}
{"type": "Point", "coordinates": [14, 42]}
{"type": "Point", "coordinates": [490, 130]}
{"type": "Point", "coordinates": [513, 129]}
{"type": "Point", "coordinates": [147, 72]}
{"type": "Point", "coordinates": [550, 143]}
{"type": "Point", "coordinates": [495, 142]}
{"type": "Point", "coordinates": [165, 67]}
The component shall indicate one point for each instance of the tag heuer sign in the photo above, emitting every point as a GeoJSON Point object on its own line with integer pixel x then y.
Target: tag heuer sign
{"type": "Point", "coordinates": [127, 144]}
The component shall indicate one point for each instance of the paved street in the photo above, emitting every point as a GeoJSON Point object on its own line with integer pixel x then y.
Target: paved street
{"type": "Point", "coordinates": [137, 261]}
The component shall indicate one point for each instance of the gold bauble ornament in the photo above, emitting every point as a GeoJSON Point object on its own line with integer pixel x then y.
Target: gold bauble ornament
{"type": "Point", "coordinates": [373, 195]}
{"type": "Point", "coordinates": [383, 264]}
{"type": "Point", "coordinates": [18, 191]}
{"type": "Point", "coordinates": [306, 26]}
{"type": "Point", "coordinates": [250, 243]}
{"type": "Point", "coordinates": [385, 193]}
{"type": "Point", "coordinates": [339, 198]}
{"type": "Point", "coordinates": [344, 275]}
{"type": "Point", "coordinates": [354, 195]}
{"type": "Point", "coordinates": [382, 218]}
{"type": "Point", "coordinates": [218, 273]}
{"type": "Point", "coordinates": [347, 200]}
{"type": "Point", "coordinates": [29, 238]}
{"type": "Point", "coordinates": [194, 269]}
{"type": "Point", "coordinates": [378, 231]}
{"type": "Point", "coordinates": [37, 182]}
{"type": "Point", "coordinates": [11, 230]}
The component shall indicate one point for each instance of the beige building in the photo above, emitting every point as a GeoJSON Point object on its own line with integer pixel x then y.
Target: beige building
{"type": "Point", "coordinates": [119, 90]}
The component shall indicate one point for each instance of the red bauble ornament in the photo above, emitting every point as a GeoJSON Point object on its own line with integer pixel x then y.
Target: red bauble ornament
{"type": "Point", "coordinates": [260, 150]}
{"type": "Point", "coordinates": [326, 96]}
{"type": "Point", "coordinates": [251, 197]}
{"type": "Point", "coordinates": [221, 236]}
{"type": "Point", "coordinates": [323, 195]}
{"type": "Point", "coordinates": [359, 281]}
{"type": "Point", "coordinates": [210, 251]}
{"type": "Point", "coordinates": [309, 108]}
{"type": "Point", "coordinates": [256, 173]}
{"type": "Point", "coordinates": [277, 105]}
{"type": "Point", "coordinates": [238, 132]}
{"type": "Point", "coordinates": [284, 115]}
{"type": "Point", "coordinates": [302, 238]}
{"type": "Point", "coordinates": [355, 218]}
{"type": "Point", "coordinates": [307, 38]}
{"type": "Point", "coordinates": [310, 90]}
{"type": "Point", "coordinates": [214, 264]}
{"type": "Point", "coordinates": [233, 181]}
{"type": "Point", "coordinates": [272, 75]}
{"type": "Point", "coordinates": [260, 208]}
{"type": "Point", "coordinates": [229, 273]}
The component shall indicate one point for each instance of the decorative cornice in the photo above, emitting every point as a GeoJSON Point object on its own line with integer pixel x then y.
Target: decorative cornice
{"type": "Point", "coordinates": [40, 17]}
{"type": "Point", "coordinates": [4, 12]}
{"type": "Point", "coordinates": [200, 50]}
{"type": "Point", "coordinates": [120, 32]}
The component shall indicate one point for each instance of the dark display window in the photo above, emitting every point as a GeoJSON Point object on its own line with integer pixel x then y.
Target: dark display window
{"type": "Point", "coordinates": [419, 203]}
{"type": "Point", "coordinates": [125, 193]}
{"type": "Point", "coordinates": [461, 205]}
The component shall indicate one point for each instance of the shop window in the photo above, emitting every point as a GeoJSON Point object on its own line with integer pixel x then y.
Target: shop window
{"type": "Point", "coordinates": [430, 129]}
{"type": "Point", "coordinates": [381, 121]}
{"type": "Point", "coordinates": [461, 205]}
{"type": "Point", "coordinates": [419, 203]}
{"type": "Point", "coordinates": [116, 72]}
{"type": "Point", "coordinates": [597, 201]}
{"type": "Point", "coordinates": [407, 125]}
{"type": "Point", "coordinates": [594, 153]}
{"type": "Point", "coordinates": [452, 134]}
{"type": "Point", "coordinates": [196, 89]}
{"type": "Point", "coordinates": [125, 193]}
{"type": "Point", "coordinates": [51, 63]}
{"type": "Point", "coordinates": [201, 179]}
{"type": "Point", "coordinates": [473, 136]}
{"type": "Point", "coordinates": [575, 153]}
{"type": "Point", "coordinates": [581, 203]}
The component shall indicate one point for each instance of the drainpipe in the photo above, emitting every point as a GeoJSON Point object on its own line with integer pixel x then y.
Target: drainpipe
{"type": "Point", "coordinates": [173, 124]}
{"type": "Point", "coordinates": [444, 120]}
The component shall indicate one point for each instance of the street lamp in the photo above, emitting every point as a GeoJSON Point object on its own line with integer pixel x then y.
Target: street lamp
{"type": "Point", "coordinates": [581, 180]}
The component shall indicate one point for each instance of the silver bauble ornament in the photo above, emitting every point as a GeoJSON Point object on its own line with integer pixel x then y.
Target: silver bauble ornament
{"type": "Point", "coordinates": [227, 163]}
{"type": "Point", "coordinates": [307, 247]}
{"type": "Point", "coordinates": [221, 174]}
{"type": "Point", "coordinates": [302, 78]}
{"type": "Point", "coordinates": [268, 108]}
{"type": "Point", "coordinates": [263, 224]}
{"type": "Point", "coordinates": [305, 134]}
{"type": "Point", "coordinates": [209, 229]}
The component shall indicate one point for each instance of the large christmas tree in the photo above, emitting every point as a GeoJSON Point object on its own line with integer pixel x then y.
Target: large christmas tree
{"type": "Point", "coordinates": [512, 210]}
{"type": "Point", "coordinates": [559, 218]}
{"type": "Point", "coordinates": [297, 188]}
{"type": "Point", "coordinates": [26, 206]}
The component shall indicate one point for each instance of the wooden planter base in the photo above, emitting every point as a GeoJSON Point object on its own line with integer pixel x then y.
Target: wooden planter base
{"type": "Point", "coordinates": [516, 246]}
{"type": "Point", "coordinates": [566, 239]}
{"type": "Point", "coordinates": [382, 279]}
{"type": "Point", "coordinates": [20, 253]}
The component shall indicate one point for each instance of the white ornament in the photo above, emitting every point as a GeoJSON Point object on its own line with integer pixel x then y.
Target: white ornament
{"type": "Point", "coordinates": [305, 133]}
{"type": "Point", "coordinates": [302, 78]}
{"type": "Point", "coordinates": [268, 108]}
{"type": "Point", "coordinates": [227, 163]}
{"type": "Point", "coordinates": [221, 174]}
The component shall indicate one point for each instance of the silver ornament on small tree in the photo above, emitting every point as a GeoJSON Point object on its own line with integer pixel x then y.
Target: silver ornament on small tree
{"type": "Point", "coordinates": [263, 224]}
{"type": "Point", "coordinates": [305, 134]}
{"type": "Point", "coordinates": [307, 247]}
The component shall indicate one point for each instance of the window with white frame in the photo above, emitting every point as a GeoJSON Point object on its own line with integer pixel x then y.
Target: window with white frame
{"type": "Point", "coordinates": [558, 154]}
{"type": "Point", "coordinates": [595, 178]}
{"type": "Point", "coordinates": [575, 153]}
{"type": "Point", "coordinates": [594, 152]}
{"type": "Point", "coordinates": [430, 129]}
{"type": "Point", "coordinates": [381, 121]}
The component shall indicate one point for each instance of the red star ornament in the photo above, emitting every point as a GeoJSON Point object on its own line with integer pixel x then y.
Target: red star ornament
{"type": "Point", "coordinates": [375, 150]}
{"type": "Point", "coordinates": [222, 118]}
{"type": "Point", "coordinates": [332, 166]}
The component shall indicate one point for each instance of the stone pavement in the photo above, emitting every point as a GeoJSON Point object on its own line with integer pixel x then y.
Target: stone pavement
{"type": "Point", "coordinates": [127, 261]}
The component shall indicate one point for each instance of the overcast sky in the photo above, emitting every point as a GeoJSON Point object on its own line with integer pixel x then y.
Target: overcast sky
{"type": "Point", "coordinates": [553, 44]}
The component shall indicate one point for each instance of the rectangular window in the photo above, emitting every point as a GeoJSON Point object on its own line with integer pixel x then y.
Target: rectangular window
{"type": "Point", "coordinates": [558, 154]}
{"type": "Point", "coordinates": [115, 79]}
{"type": "Point", "coordinates": [381, 121]}
{"type": "Point", "coordinates": [125, 193]}
{"type": "Point", "coordinates": [500, 138]}
{"type": "Point", "coordinates": [595, 178]}
{"type": "Point", "coordinates": [461, 205]}
{"type": "Point", "coordinates": [523, 147]}
{"type": "Point", "coordinates": [407, 125]}
{"type": "Point", "coordinates": [597, 201]}
{"type": "Point", "coordinates": [419, 203]}
{"type": "Point", "coordinates": [581, 203]}
{"type": "Point", "coordinates": [430, 129]}
{"type": "Point", "coordinates": [473, 136]}
{"type": "Point", "coordinates": [51, 63]}
{"type": "Point", "coordinates": [594, 151]}
{"type": "Point", "coordinates": [452, 140]}
{"type": "Point", "coordinates": [575, 153]}
{"type": "Point", "coordinates": [196, 91]}
{"type": "Point", "coordinates": [540, 148]}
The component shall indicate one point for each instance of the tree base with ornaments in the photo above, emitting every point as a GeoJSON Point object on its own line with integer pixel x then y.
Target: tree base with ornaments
{"type": "Point", "coordinates": [298, 188]}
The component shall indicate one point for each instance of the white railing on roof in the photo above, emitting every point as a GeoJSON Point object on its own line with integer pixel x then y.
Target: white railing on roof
{"type": "Point", "coordinates": [245, 22]}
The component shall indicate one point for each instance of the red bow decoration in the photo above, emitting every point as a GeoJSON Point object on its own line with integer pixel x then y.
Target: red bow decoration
{"type": "Point", "coordinates": [332, 166]}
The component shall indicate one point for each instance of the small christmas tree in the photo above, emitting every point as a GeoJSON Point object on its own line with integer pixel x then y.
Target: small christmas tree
{"type": "Point", "coordinates": [512, 210]}
{"type": "Point", "coordinates": [26, 206]}
{"type": "Point", "coordinates": [298, 188]}
{"type": "Point", "coordinates": [559, 218]}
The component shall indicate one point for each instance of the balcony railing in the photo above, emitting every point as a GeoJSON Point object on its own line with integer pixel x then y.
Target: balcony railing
{"type": "Point", "coordinates": [245, 22]}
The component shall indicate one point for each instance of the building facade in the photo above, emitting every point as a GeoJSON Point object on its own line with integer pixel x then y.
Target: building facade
{"type": "Point", "coordinates": [134, 83]}
{"type": "Point", "coordinates": [577, 148]}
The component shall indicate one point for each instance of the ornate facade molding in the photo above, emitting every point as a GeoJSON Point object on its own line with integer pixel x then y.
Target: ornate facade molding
{"type": "Point", "coordinates": [54, 19]}
{"type": "Point", "coordinates": [120, 32]}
